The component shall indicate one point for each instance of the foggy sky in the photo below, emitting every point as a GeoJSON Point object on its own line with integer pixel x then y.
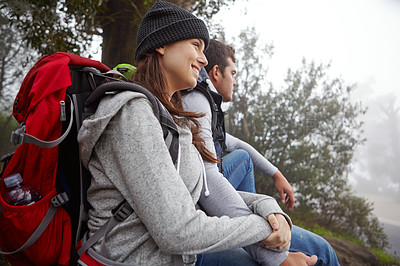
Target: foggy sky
{"type": "Point", "coordinates": [361, 41]}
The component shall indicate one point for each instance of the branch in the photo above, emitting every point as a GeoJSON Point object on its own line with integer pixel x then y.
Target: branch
{"type": "Point", "coordinates": [136, 8]}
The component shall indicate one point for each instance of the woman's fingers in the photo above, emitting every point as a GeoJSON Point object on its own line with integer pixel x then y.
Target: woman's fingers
{"type": "Point", "coordinates": [273, 221]}
{"type": "Point", "coordinates": [281, 234]}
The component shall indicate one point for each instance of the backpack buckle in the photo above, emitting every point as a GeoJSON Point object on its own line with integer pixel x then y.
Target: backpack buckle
{"type": "Point", "coordinates": [17, 136]}
{"type": "Point", "coordinates": [59, 199]}
{"type": "Point", "coordinates": [122, 211]}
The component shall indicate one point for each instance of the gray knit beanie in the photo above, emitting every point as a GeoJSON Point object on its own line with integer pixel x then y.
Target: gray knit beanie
{"type": "Point", "coordinates": [166, 23]}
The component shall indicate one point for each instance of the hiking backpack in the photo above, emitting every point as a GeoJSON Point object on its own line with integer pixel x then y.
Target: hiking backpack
{"type": "Point", "coordinates": [217, 117]}
{"type": "Point", "coordinates": [57, 94]}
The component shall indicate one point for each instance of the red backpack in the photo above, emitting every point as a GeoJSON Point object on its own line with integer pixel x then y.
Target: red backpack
{"type": "Point", "coordinates": [59, 91]}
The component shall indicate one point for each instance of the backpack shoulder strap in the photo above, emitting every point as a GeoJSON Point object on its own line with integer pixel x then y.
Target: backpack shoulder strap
{"type": "Point", "coordinates": [202, 87]}
{"type": "Point", "coordinates": [168, 125]}
{"type": "Point", "coordinates": [171, 137]}
{"type": "Point", "coordinates": [217, 127]}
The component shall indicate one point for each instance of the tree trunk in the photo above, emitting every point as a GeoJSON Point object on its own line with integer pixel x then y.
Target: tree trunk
{"type": "Point", "coordinates": [120, 24]}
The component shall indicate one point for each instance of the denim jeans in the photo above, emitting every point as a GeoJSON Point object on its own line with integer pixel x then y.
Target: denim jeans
{"type": "Point", "coordinates": [239, 170]}
{"type": "Point", "coordinates": [302, 241]}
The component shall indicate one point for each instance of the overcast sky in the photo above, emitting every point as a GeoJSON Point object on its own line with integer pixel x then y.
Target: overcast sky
{"type": "Point", "coordinates": [361, 40]}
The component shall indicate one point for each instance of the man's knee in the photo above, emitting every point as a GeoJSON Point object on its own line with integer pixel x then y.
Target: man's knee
{"type": "Point", "coordinates": [243, 155]}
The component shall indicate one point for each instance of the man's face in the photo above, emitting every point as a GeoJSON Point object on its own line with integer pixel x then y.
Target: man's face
{"type": "Point", "coordinates": [227, 82]}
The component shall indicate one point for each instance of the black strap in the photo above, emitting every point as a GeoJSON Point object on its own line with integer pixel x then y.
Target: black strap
{"type": "Point", "coordinates": [202, 87]}
{"type": "Point", "coordinates": [171, 136]}
{"type": "Point", "coordinates": [120, 213]}
{"type": "Point", "coordinates": [167, 123]}
{"type": "Point", "coordinates": [217, 130]}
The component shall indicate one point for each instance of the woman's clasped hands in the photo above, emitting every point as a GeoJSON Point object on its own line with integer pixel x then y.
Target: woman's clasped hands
{"type": "Point", "coordinates": [280, 239]}
{"type": "Point", "coordinates": [281, 232]}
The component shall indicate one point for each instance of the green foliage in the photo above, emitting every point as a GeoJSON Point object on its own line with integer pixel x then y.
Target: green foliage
{"type": "Point", "coordinates": [319, 230]}
{"type": "Point", "coordinates": [3, 261]}
{"type": "Point", "coordinates": [14, 60]}
{"type": "Point", "coordinates": [248, 95]}
{"type": "Point", "coordinates": [208, 8]}
{"type": "Point", "coordinates": [385, 258]}
{"type": "Point", "coordinates": [7, 125]}
{"type": "Point", "coordinates": [309, 129]}
{"type": "Point", "coordinates": [53, 26]}
{"type": "Point", "coordinates": [49, 26]}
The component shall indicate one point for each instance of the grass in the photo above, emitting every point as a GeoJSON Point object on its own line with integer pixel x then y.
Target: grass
{"type": "Point", "coordinates": [384, 257]}
{"type": "Point", "coordinates": [322, 231]}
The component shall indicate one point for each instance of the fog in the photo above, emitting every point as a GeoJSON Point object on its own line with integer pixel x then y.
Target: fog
{"type": "Point", "coordinates": [360, 39]}
{"type": "Point", "coordinates": [376, 165]}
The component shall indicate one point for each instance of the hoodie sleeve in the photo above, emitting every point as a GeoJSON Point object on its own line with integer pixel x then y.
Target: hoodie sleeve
{"type": "Point", "coordinates": [134, 157]}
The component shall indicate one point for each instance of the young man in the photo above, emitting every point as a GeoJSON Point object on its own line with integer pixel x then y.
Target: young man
{"type": "Point", "coordinates": [216, 84]}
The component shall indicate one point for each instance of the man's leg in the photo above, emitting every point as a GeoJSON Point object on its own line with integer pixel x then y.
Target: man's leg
{"type": "Point", "coordinates": [239, 170]}
{"type": "Point", "coordinates": [312, 244]}
{"type": "Point", "coordinates": [233, 257]}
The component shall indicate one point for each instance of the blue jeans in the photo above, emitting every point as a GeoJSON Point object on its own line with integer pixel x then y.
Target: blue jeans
{"type": "Point", "coordinates": [239, 170]}
{"type": "Point", "coordinates": [233, 257]}
{"type": "Point", "coordinates": [302, 241]}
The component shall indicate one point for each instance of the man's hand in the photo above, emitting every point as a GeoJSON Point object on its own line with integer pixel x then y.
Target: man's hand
{"type": "Point", "coordinates": [281, 234]}
{"type": "Point", "coordinates": [298, 258]}
{"type": "Point", "coordinates": [283, 187]}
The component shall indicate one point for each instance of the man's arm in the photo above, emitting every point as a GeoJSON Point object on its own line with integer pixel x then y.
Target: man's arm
{"type": "Point", "coordinates": [262, 164]}
{"type": "Point", "coordinates": [223, 199]}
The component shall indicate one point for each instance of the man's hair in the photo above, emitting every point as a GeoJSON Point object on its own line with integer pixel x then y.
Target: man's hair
{"type": "Point", "coordinates": [218, 53]}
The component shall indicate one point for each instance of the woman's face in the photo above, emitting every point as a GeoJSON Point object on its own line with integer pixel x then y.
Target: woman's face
{"type": "Point", "coordinates": [181, 62]}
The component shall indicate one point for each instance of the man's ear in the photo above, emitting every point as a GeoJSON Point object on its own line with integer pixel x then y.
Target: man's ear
{"type": "Point", "coordinates": [161, 50]}
{"type": "Point", "coordinates": [214, 73]}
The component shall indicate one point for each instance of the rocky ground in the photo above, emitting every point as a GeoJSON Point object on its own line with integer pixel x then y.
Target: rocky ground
{"type": "Point", "coordinates": [353, 254]}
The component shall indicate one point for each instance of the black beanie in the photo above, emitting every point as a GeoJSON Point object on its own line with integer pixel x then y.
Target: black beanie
{"type": "Point", "coordinates": [166, 23]}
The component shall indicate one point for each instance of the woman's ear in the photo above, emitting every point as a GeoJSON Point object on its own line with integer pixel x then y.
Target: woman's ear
{"type": "Point", "coordinates": [161, 50]}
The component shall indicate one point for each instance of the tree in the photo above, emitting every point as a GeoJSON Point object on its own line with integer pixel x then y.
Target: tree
{"type": "Point", "coordinates": [250, 77]}
{"type": "Point", "coordinates": [7, 125]}
{"type": "Point", "coordinates": [14, 58]}
{"type": "Point", "coordinates": [32, 28]}
{"type": "Point", "coordinates": [69, 26]}
{"type": "Point", "coordinates": [309, 129]}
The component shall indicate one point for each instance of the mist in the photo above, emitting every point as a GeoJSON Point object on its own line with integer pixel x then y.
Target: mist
{"type": "Point", "coordinates": [376, 166]}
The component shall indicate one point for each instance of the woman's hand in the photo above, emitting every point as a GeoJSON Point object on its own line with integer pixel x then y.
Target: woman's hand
{"type": "Point", "coordinates": [299, 258]}
{"type": "Point", "coordinates": [281, 234]}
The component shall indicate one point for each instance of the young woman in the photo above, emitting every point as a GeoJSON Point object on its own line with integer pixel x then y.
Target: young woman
{"type": "Point", "coordinates": [123, 147]}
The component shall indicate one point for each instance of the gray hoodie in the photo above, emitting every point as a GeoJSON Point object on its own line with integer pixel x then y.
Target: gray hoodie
{"type": "Point", "coordinates": [122, 145]}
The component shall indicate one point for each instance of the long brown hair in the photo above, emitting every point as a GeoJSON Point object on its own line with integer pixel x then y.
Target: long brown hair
{"type": "Point", "coordinates": [150, 75]}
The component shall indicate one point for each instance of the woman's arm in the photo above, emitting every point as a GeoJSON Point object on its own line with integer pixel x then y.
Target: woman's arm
{"type": "Point", "coordinates": [142, 170]}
